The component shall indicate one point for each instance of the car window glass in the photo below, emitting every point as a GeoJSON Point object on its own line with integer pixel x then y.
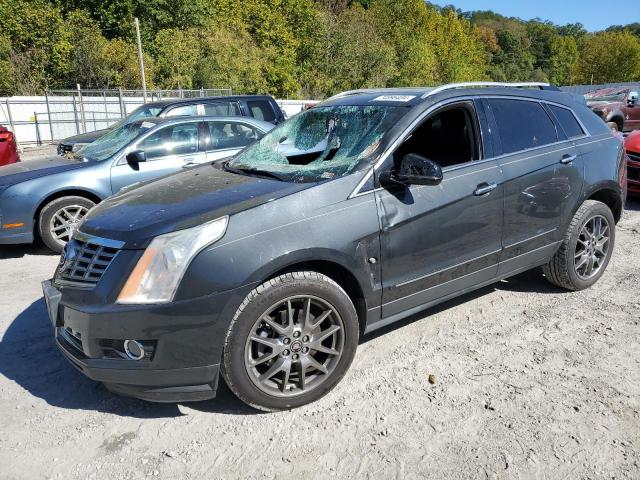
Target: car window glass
{"type": "Point", "coordinates": [448, 138]}
{"type": "Point", "coordinates": [172, 140]}
{"type": "Point", "coordinates": [322, 143]}
{"type": "Point", "coordinates": [261, 110]}
{"type": "Point", "coordinates": [221, 109]}
{"type": "Point", "coordinates": [568, 121]}
{"type": "Point", "coordinates": [231, 135]}
{"type": "Point", "coordinates": [522, 124]}
{"type": "Point", "coordinates": [185, 110]}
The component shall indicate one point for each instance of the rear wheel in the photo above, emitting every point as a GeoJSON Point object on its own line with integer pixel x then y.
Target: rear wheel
{"type": "Point", "coordinates": [586, 248]}
{"type": "Point", "coordinates": [290, 342]}
{"type": "Point", "coordinates": [60, 218]}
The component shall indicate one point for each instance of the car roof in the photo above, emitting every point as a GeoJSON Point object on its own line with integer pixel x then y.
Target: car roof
{"type": "Point", "coordinates": [180, 101]}
{"type": "Point", "coordinates": [414, 96]}
{"type": "Point", "coordinates": [195, 118]}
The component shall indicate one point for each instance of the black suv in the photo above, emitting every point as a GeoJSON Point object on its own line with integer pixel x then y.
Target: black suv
{"type": "Point", "coordinates": [262, 107]}
{"type": "Point", "coordinates": [373, 205]}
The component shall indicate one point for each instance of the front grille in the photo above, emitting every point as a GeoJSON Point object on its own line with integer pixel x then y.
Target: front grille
{"type": "Point", "coordinates": [633, 173]}
{"type": "Point", "coordinates": [634, 156]}
{"type": "Point", "coordinates": [84, 263]}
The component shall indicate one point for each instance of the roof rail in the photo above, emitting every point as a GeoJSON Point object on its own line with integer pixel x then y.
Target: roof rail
{"type": "Point", "coordinates": [451, 86]}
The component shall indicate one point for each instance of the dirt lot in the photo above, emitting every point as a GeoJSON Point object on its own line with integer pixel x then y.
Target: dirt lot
{"type": "Point", "coordinates": [530, 382]}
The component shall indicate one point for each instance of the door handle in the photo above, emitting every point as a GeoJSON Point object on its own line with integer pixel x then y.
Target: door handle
{"type": "Point", "coordinates": [567, 159]}
{"type": "Point", "coordinates": [188, 164]}
{"type": "Point", "coordinates": [484, 188]}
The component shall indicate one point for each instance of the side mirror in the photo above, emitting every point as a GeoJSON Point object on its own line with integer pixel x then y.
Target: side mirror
{"type": "Point", "coordinates": [632, 98]}
{"type": "Point", "coordinates": [134, 158]}
{"type": "Point", "coordinates": [414, 170]}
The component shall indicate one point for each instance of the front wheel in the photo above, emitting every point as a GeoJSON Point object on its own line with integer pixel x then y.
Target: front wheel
{"type": "Point", "coordinates": [290, 342]}
{"type": "Point", "coordinates": [60, 218]}
{"type": "Point", "coordinates": [586, 248]}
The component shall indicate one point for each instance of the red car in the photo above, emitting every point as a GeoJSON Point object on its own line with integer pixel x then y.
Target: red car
{"type": "Point", "coordinates": [632, 146]}
{"type": "Point", "coordinates": [8, 147]}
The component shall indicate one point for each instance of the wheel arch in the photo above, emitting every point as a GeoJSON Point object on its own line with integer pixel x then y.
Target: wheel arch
{"type": "Point", "coordinates": [340, 274]}
{"type": "Point", "coordinates": [70, 192]}
{"type": "Point", "coordinates": [618, 117]}
{"type": "Point", "coordinates": [610, 197]}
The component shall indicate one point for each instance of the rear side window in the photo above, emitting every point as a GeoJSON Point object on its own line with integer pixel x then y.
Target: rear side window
{"type": "Point", "coordinates": [221, 109]}
{"type": "Point", "coordinates": [261, 109]}
{"type": "Point", "coordinates": [568, 121]}
{"type": "Point", "coordinates": [522, 124]}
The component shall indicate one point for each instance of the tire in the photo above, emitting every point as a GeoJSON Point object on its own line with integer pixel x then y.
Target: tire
{"type": "Point", "coordinates": [243, 363]}
{"type": "Point", "coordinates": [613, 126]}
{"type": "Point", "coordinates": [53, 214]}
{"type": "Point", "coordinates": [566, 268]}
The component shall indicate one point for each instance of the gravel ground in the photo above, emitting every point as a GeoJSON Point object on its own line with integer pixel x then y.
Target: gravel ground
{"type": "Point", "coordinates": [528, 382]}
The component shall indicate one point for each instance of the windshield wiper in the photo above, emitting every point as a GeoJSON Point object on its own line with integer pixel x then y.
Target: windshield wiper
{"type": "Point", "coordinates": [252, 171]}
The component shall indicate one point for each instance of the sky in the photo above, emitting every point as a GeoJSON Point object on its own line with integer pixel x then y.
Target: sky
{"type": "Point", "coordinates": [593, 14]}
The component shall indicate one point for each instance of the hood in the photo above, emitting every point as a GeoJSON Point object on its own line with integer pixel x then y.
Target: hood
{"type": "Point", "coordinates": [181, 201]}
{"type": "Point", "coordinates": [85, 137]}
{"type": "Point", "coordinates": [23, 171]}
{"type": "Point", "coordinates": [599, 104]}
{"type": "Point", "coordinates": [632, 142]}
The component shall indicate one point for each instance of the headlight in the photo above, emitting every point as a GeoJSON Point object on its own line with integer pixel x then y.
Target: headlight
{"type": "Point", "coordinates": [159, 271]}
{"type": "Point", "coordinates": [77, 146]}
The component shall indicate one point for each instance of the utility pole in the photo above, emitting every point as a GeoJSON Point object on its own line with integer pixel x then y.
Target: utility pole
{"type": "Point", "coordinates": [144, 82]}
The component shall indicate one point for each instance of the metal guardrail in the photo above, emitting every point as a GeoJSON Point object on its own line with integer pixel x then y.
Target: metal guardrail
{"type": "Point", "coordinates": [62, 113]}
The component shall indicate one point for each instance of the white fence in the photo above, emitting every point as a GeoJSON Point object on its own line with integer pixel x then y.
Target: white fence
{"type": "Point", "coordinates": [44, 119]}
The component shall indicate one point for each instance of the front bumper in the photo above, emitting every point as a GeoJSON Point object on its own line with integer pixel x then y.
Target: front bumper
{"type": "Point", "coordinates": [633, 173]}
{"type": "Point", "coordinates": [183, 343]}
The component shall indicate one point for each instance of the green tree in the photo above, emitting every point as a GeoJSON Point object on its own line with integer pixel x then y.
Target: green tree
{"type": "Point", "coordinates": [563, 58]}
{"type": "Point", "coordinates": [177, 56]}
{"type": "Point", "coordinates": [609, 57]}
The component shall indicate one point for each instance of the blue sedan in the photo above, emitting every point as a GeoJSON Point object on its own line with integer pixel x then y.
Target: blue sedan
{"type": "Point", "coordinates": [49, 197]}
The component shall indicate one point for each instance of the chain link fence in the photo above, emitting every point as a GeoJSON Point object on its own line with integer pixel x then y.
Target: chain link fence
{"type": "Point", "coordinates": [63, 113]}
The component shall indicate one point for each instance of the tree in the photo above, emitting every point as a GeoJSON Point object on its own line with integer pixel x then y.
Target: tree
{"type": "Point", "coordinates": [609, 57]}
{"type": "Point", "coordinates": [562, 61]}
{"type": "Point", "coordinates": [350, 53]}
{"type": "Point", "coordinates": [177, 56]}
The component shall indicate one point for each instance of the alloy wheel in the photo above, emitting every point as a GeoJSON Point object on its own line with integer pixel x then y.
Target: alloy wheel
{"type": "Point", "coordinates": [592, 247]}
{"type": "Point", "coordinates": [65, 222]}
{"type": "Point", "coordinates": [294, 346]}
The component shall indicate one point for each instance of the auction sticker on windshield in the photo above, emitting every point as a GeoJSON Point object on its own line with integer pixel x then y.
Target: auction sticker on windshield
{"type": "Point", "coordinates": [394, 98]}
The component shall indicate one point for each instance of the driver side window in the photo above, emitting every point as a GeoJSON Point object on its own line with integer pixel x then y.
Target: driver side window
{"type": "Point", "coordinates": [180, 139]}
{"type": "Point", "coordinates": [448, 137]}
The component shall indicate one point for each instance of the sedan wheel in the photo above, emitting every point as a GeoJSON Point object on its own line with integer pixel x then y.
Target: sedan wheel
{"type": "Point", "coordinates": [64, 222]}
{"type": "Point", "coordinates": [60, 218]}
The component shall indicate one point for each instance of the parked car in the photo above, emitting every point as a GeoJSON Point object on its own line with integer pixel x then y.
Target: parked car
{"type": "Point", "coordinates": [618, 107]}
{"type": "Point", "coordinates": [632, 146]}
{"type": "Point", "coordinates": [8, 147]}
{"type": "Point", "coordinates": [260, 107]}
{"type": "Point", "coordinates": [49, 197]}
{"type": "Point", "coordinates": [374, 205]}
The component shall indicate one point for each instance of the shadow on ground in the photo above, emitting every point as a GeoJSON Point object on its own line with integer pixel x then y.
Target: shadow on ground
{"type": "Point", "coordinates": [529, 281]}
{"type": "Point", "coordinates": [29, 357]}
{"type": "Point", "coordinates": [19, 251]}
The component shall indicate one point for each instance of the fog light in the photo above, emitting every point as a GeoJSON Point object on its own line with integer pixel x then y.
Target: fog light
{"type": "Point", "coordinates": [134, 349]}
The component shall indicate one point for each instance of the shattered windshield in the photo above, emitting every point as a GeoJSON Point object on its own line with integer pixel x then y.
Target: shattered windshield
{"type": "Point", "coordinates": [144, 111]}
{"type": "Point", "coordinates": [111, 143]}
{"type": "Point", "coordinates": [319, 144]}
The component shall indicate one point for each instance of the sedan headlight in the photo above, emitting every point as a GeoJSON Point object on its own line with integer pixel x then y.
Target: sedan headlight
{"type": "Point", "coordinates": [159, 271]}
{"type": "Point", "coordinates": [77, 146]}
